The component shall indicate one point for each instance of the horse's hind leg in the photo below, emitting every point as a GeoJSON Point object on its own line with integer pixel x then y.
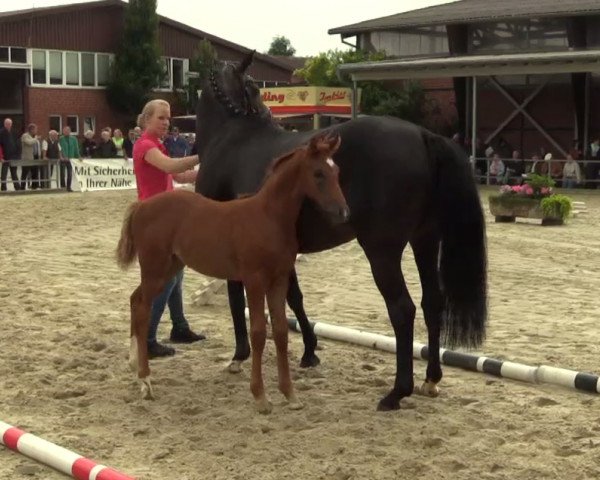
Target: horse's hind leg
{"type": "Point", "coordinates": [276, 302]}
{"type": "Point", "coordinates": [141, 302]}
{"type": "Point", "coordinates": [385, 266]}
{"type": "Point", "coordinates": [426, 250]}
{"type": "Point", "coordinates": [237, 306]}
{"type": "Point", "coordinates": [258, 338]}
{"type": "Point", "coordinates": [295, 301]}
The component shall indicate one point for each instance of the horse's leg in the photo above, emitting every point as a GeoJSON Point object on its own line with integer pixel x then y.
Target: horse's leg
{"type": "Point", "coordinates": [237, 306]}
{"type": "Point", "coordinates": [385, 265]}
{"type": "Point", "coordinates": [426, 250]}
{"type": "Point", "coordinates": [258, 336]}
{"type": "Point", "coordinates": [276, 302]}
{"type": "Point", "coordinates": [154, 277]}
{"type": "Point", "coordinates": [295, 301]}
{"type": "Point", "coordinates": [141, 303]}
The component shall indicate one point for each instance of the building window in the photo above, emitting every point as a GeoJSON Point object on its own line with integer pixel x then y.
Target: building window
{"type": "Point", "coordinates": [18, 55]}
{"type": "Point", "coordinates": [39, 66]}
{"type": "Point", "coordinates": [56, 68]}
{"type": "Point", "coordinates": [166, 80]}
{"type": "Point", "coordinates": [72, 68]}
{"type": "Point", "coordinates": [73, 124]}
{"type": "Point", "coordinates": [89, 123]}
{"type": "Point", "coordinates": [4, 54]}
{"type": "Point", "coordinates": [103, 67]}
{"type": "Point", "coordinates": [177, 73]}
{"type": "Point", "coordinates": [88, 70]}
{"type": "Point", "coordinates": [56, 123]}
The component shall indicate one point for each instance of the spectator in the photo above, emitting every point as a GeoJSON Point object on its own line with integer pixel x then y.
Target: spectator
{"type": "Point", "coordinates": [176, 145]}
{"type": "Point", "coordinates": [50, 151]}
{"type": "Point", "coordinates": [88, 146]}
{"type": "Point", "coordinates": [106, 147]}
{"type": "Point", "coordinates": [31, 150]}
{"type": "Point", "coordinates": [128, 144]}
{"type": "Point", "coordinates": [118, 141]}
{"type": "Point", "coordinates": [70, 150]}
{"type": "Point", "coordinates": [571, 173]}
{"type": "Point", "coordinates": [154, 172]}
{"type": "Point", "coordinates": [11, 151]}
{"type": "Point", "coordinates": [497, 170]}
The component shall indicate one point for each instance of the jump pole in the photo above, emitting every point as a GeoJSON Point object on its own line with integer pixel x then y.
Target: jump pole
{"type": "Point", "coordinates": [586, 382]}
{"type": "Point", "coordinates": [56, 457]}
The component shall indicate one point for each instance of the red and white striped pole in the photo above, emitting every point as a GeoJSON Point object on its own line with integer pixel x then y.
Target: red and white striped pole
{"type": "Point", "coordinates": [54, 456]}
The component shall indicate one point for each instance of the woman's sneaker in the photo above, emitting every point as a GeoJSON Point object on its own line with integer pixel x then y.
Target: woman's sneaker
{"type": "Point", "coordinates": [156, 350]}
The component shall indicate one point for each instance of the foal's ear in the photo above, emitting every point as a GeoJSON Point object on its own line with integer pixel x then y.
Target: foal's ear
{"type": "Point", "coordinates": [327, 143]}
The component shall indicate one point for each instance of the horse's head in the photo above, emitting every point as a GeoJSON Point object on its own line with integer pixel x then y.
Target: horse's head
{"type": "Point", "coordinates": [319, 175]}
{"type": "Point", "coordinates": [234, 90]}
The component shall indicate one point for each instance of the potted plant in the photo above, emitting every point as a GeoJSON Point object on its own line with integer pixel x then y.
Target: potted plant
{"type": "Point", "coordinates": [534, 199]}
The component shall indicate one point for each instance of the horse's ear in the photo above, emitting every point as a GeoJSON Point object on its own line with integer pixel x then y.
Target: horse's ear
{"type": "Point", "coordinates": [246, 62]}
{"type": "Point", "coordinates": [325, 142]}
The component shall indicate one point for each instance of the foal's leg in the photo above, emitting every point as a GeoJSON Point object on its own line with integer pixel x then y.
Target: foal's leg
{"type": "Point", "coordinates": [258, 336]}
{"type": "Point", "coordinates": [276, 302]}
{"type": "Point", "coordinates": [426, 251]}
{"type": "Point", "coordinates": [237, 306]}
{"type": "Point", "coordinates": [295, 301]}
{"type": "Point", "coordinates": [385, 266]}
{"type": "Point", "coordinates": [141, 303]}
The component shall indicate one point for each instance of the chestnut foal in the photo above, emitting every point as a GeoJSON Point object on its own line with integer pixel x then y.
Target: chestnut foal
{"type": "Point", "coordinates": [251, 239]}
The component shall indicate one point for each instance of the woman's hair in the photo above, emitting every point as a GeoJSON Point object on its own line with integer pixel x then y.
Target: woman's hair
{"type": "Point", "coordinates": [88, 134]}
{"type": "Point", "coordinates": [149, 110]}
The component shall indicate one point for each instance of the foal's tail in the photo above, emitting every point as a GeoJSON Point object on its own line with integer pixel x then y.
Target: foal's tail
{"type": "Point", "coordinates": [463, 259]}
{"type": "Point", "coordinates": [126, 251]}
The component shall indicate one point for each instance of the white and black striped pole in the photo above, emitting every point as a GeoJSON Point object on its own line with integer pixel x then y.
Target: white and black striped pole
{"type": "Point", "coordinates": [586, 382]}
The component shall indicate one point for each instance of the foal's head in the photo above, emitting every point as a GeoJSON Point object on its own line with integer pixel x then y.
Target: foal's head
{"type": "Point", "coordinates": [318, 174]}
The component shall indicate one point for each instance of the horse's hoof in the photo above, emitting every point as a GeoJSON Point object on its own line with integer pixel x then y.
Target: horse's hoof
{"type": "Point", "coordinates": [264, 407]}
{"type": "Point", "coordinates": [428, 389]}
{"type": "Point", "coordinates": [387, 404]}
{"type": "Point", "coordinates": [235, 366]}
{"type": "Point", "coordinates": [295, 404]}
{"type": "Point", "coordinates": [309, 361]}
{"type": "Point", "coordinates": [146, 389]}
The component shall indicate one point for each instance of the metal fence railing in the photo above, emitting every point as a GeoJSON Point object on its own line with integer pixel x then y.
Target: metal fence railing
{"type": "Point", "coordinates": [48, 173]}
{"type": "Point", "coordinates": [516, 170]}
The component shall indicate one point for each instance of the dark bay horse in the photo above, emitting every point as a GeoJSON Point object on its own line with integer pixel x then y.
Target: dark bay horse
{"type": "Point", "coordinates": [251, 240]}
{"type": "Point", "coordinates": [403, 184]}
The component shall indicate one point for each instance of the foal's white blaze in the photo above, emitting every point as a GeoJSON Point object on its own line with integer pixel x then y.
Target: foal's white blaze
{"type": "Point", "coordinates": [133, 354]}
{"type": "Point", "coordinates": [330, 162]}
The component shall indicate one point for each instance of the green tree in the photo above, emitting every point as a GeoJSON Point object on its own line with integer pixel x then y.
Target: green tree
{"type": "Point", "coordinates": [201, 63]}
{"type": "Point", "coordinates": [377, 98]}
{"type": "Point", "coordinates": [137, 67]}
{"type": "Point", "coordinates": [281, 46]}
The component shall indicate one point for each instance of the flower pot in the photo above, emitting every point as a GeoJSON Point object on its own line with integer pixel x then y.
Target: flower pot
{"type": "Point", "coordinates": [506, 208]}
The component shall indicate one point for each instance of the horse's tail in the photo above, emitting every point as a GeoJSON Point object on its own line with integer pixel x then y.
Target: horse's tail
{"type": "Point", "coordinates": [126, 251]}
{"type": "Point", "coordinates": [463, 259]}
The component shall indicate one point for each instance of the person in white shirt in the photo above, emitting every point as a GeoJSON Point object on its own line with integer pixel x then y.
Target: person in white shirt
{"type": "Point", "coordinates": [571, 173]}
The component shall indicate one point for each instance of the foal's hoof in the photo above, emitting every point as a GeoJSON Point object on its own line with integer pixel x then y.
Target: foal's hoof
{"type": "Point", "coordinates": [428, 389]}
{"type": "Point", "coordinates": [389, 403]}
{"type": "Point", "coordinates": [146, 389]}
{"type": "Point", "coordinates": [263, 406]}
{"type": "Point", "coordinates": [309, 361]}
{"type": "Point", "coordinates": [295, 404]}
{"type": "Point", "coordinates": [235, 366]}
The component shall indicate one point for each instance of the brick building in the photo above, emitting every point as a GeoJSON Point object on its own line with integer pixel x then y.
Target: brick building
{"type": "Point", "coordinates": [522, 75]}
{"type": "Point", "coordinates": [54, 64]}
